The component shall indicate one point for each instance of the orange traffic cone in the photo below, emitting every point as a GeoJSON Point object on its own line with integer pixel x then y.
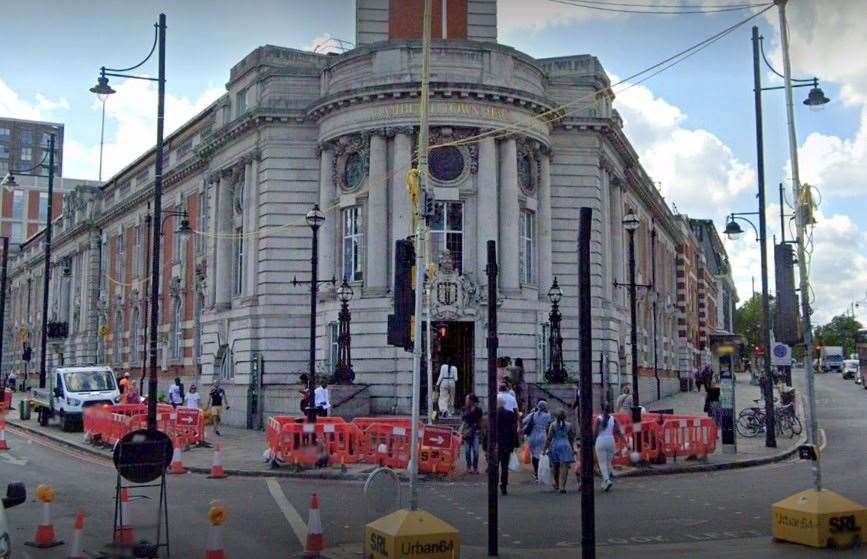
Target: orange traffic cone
{"type": "Point", "coordinates": [3, 444]}
{"type": "Point", "coordinates": [45, 531]}
{"type": "Point", "coordinates": [123, 533]}
{"type": "Point", "coordinates": [75, 548]}
{"type": "Point", "coordinates": [217, 465]}
{"type": "Point", "coordinates": [177, 466]}
{"type": "Point", "coordinates": [216, 515]}
{"type": "Point", "coordinates": [315, 540]}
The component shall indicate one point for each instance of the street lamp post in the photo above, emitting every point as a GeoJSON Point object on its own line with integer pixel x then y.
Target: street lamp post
{"type": "Point", "coordinates": [3, 311]}
{"type": "Point", "coordinates": [314, 219]}
{"type": "Point", "coordinates": [9, 182]}
{"type": "Point", "coordinates": [343, 372]}
{"type": "Point", "coordinates": [630, 223]}
{"type": "Point", "coordinates": [556, 373]}
{"type": "Point", "coordinates": [103, 89]}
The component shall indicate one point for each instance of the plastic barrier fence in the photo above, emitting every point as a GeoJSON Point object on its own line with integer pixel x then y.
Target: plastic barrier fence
{"type": "Point", "coordinates": [109, 424]}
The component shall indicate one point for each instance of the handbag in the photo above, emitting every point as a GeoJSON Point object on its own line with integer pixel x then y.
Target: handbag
{"type": "Point", "coordinates": [528, 428]}
{"type": "Point", "coordinates": [545, 475]}
{"type": "Point", "coordinates": [526, 455]}
{"type": "Point", "coordinates": [514, 464]}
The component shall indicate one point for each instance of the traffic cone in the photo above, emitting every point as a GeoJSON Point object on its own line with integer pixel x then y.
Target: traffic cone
{"type": "Point", "coordinates": [3, 444]}
{"type": "Point", "coordinates": [45, 531]}
{"type": "Point", "coordinates": [177, 465]}
{"type": "Point", "coordinates": [216, 515]}
{"type": "Point", "coordinates": [217, 465]}
{"type": "Point", "coordinates": [75, 551]}
{"type": "Point", "coordinates": [123, 533]}
{"type": "Point", "coordinates": [315, 540]}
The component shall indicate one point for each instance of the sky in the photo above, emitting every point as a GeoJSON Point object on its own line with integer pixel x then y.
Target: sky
{"type": "Point", "coordinates": [692, 125]}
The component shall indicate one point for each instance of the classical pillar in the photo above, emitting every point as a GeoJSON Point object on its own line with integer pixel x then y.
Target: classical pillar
{"type": "Point", "coordinates": [211, 189]}
{"type": "Point", "coordinates": [329, 228]}
{"type": "Point", "coordinates": [251, 224]}
{"type": "Point", "coordinates": [544, 221]}
{"type": "Point", "coordinates": [401, 211]}
{"type": "Point", "coordinates": [224, 243]}
{"type": "Point", "coordinates": [377, 218]}
{"type": "Point", "coordinates": [486, 208]}
{"type": "Point", "coordinates": [509, 215]}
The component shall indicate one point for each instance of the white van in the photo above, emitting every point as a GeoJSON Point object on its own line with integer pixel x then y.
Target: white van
{"type": "Point", "coordinates": [70, 390]}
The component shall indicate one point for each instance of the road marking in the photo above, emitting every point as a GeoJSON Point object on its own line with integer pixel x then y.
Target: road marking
{"type": "Point", "coordinates": [12, 460]}
{"type": "Point", "coordinates": [292, 517]}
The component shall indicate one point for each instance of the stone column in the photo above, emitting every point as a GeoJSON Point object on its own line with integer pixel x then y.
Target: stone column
{"type": "Point", "coordinates": [211, 189]}
{"type": "Point", "coordinates": [328, 231]}
{"type": "Point", "coordinates": [377, 219]}
{"type": "Point", "coordinates": [224, 243]}
{"type": "Point", "coordinates": [544, 221]}
{"type": "Point", "coordinates": [486, 208]}
{"type": "Point", "coordinates": [251, 224]}
{"type": "Point", "coordinates": [509, 216]}
{"type": "Point", "coordinates": [401, 210]}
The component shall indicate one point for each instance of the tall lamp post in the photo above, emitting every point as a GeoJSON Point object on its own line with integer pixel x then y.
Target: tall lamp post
{"type": "Point", "coordinates": [314, 219]}
{"type": "Point", "coordinates": [556, 373]}
{"type": "Point", "coordinates": [9, 182]}
{"type": "Point", "coordinates": [343, 372]}
{"type": "Point", "coordinates": [733, 231]}
{"type": "Point", "coordinates": [103, 89]}
{"type": "Point", "coordinates": [815, 100]}
{"type": "Point", "coordinates": [3, 310]}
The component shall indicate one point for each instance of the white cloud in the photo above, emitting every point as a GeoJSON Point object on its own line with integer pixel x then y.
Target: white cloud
{"type": "Point", "coordinates": [515, 15]}
{"type": "Point", "coordinates": [13, 106]}
{"type": "Point", "coordinates": [697, 171]}
{"type": "Point", "coordinates": [325, 43]}
{"type": "Point", "coordinates": [131, 114]}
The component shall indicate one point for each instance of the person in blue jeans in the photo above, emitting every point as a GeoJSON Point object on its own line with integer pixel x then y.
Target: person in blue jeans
{"type": "Point", "coordinates": [471, 429]}
{"type": "Point", "coordinates": [561, 449]}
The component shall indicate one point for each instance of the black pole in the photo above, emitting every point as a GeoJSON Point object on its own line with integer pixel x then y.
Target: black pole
{"type": "Point", "coordinates": [156, 232]}
{"type": "Point", "coordinates": [46, 276]}
{"type": "Point", "coordinates": [343, 371]}
{"type": "Point", "coordinates": [768, 381]}
{"type": "Point", "coordinates": [655, 326]}
{"type": "Point", "coordinates": [633, 338]}
{"type": "Point", "coordinates": [144, 356]}
{"type": "Point", "coordinates": [3, 311]}
{"type": "Point", "coordinates": [782, 217]}
{"type": "Point", "coordinates": [588, 507]}
{"type": "Point", "coordinates": [493, 343]}
{"type": "Point", "coordinates": [314, 287]}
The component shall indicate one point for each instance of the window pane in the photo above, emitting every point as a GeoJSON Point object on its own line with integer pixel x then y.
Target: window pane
{"type": "Point", "coordinates": [18, 204]}
{"type": "Point", "coordinates": [43, 206]}
{"type": "Point", "coordinates": [437, 219]}
{"type": "Point", "coordinates": [455, 247]}
{"type": "Point", "coordinates": [455, 220]}
{"type": "Point", "coordinates": [17, 232]}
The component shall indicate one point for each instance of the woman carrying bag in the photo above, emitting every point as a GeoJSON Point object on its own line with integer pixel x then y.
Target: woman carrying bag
{"type": "Point", "coordinates": [560, 448]}
{"type": "Point", "coordinates": [535, 427]}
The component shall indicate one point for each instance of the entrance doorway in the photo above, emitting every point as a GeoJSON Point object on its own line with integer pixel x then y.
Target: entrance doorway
{"type": "Point", "coordinates": [453, 344]}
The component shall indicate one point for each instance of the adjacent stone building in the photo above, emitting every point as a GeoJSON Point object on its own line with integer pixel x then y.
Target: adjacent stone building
{"type": "Point", "coordinates": [519, 146]}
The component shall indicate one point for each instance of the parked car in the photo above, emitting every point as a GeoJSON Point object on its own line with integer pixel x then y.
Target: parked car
{"type": "Point", "coordinates": [851, 369]}
{"type": "Point", "coordinates": [15, 495]}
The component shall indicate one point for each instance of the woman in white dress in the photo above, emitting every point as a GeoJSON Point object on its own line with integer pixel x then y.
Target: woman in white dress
{"type": "Point", "coordinates": [446, 387]}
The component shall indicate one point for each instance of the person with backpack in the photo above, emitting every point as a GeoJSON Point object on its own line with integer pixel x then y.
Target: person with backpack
{"type": "Point", "coordinates": [560, 447]}
{"type": "Point", "coordinates": [606, 427]}
{"type": "Point", "coordinates": [535, 428]}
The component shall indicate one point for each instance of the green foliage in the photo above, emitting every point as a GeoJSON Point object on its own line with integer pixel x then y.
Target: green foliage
{"type": "Point", "coordinates": [840, 331]}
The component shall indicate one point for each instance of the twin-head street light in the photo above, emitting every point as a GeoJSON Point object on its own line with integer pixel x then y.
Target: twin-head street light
{"type": "Point", "coordinates": [556, 373]}
{"type": "Point", "coordinates": [10, 183]}
{"type": "Point", "coordinates": [102, 90]}
{"type": "Point", "coordinates": [343, 373]}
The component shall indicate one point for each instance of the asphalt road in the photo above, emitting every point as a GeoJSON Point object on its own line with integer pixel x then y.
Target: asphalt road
{"type": "Point", "coordinates": [718, 514]}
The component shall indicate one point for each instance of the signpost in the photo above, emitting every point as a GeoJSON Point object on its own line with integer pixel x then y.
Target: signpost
{"type": "Point", "coordinates": [781, 357]}
{"type": "Point", "coordinates": [726, 355]}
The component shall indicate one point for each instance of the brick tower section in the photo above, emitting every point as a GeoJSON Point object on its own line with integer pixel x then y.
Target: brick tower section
{"type": "Point", "coordinates": [405, 19]}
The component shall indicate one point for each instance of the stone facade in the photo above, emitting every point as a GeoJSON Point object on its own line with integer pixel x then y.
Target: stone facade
{"type": "Point", "coordinates": [514, 159]}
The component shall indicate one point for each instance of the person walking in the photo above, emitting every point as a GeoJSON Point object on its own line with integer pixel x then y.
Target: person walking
{"type": "Point", "coordinates": [606, 426]}
{"type": "Point", "coordinates": [502, 370]}
{"type": "Point", "coordinates": [624, 400]}
{"type": "Point", "coordinates": [124, 385]}
{"type": "Point", "coordinates": [176, 393]}
{"type": "Point", "coordinates": [322, 399]}
{"type": "Point", "coordinates": [516, 379]}
{"type": "Point", "coordinates": [560, 447]}
{"type": "Point", "coordinates": [306, 400]}
{"type": "Point", "coordinates": [216, 401]}
{"type": "Point", "coordinates": [507, 441]}
{"type": "Point", "coordinates": [446, 387]}
{"type": "Point", "coordinates": [10, 381]}
{"type": "Point", "coordinates": [535, 427]}
{"type": "Point", "coordinates": [508, 398]}
{"type": "Point", "coordinates": [471, 428]}
{"type": "Point", "coordinates": [193, 398]}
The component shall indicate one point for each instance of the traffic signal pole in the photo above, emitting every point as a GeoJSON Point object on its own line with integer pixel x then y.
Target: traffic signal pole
{"type": "Point", "coordinates": [420, 252]}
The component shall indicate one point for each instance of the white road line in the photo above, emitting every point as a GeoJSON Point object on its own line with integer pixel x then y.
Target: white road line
{"type": "Point", "coordinates": [292, 517]}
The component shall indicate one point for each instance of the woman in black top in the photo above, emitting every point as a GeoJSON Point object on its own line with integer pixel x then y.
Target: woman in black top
{"type": "Point", "coordinates": [470, 431]}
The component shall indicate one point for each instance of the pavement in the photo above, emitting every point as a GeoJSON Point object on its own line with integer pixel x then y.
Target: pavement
{"type": "Point", "coordinates": [243, 450]}
{"type": "Point", "coordinates": [714, 514]}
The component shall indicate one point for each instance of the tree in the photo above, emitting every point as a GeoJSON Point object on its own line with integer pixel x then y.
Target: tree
{"type": "Point", "coordinates": [748, 321]}
{"type": "Point", "coordinates": [840, 331]}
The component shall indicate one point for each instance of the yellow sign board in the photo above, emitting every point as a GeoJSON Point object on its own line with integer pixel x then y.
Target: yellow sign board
{"type": "Point", "coordinates": [819, 519]}
{"type": "Point", "coordinates": [411, 534]}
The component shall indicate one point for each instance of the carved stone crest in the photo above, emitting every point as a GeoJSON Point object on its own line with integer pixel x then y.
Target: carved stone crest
{"type": "Point", "coordinates": [452, 294]}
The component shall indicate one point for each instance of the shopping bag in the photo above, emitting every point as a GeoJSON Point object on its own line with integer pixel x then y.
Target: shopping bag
{"type": "Point", "coordinates": [545, 475]}
{"type": "Point", "coordinates": [526, 455]}
{"type": "Point", "coordinates": [514, 464]}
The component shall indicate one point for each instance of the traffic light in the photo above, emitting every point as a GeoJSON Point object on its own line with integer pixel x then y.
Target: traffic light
{"type": "Point", "coordinates": [27, 352]}
{"type": "Point", "coordinates": [401, 322]}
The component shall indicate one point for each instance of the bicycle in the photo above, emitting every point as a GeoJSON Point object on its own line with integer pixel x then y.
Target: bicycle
{"type": "Point", "coordinates": [751, 421]}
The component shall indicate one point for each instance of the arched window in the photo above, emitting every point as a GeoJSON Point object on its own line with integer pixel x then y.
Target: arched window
{"type": "Point", "coordinates": [177, 331]}
{"type": "Point", "coordinates": [134, 343]}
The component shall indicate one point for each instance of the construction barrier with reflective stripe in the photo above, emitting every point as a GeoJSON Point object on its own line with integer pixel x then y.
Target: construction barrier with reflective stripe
{"type": "Point", "coordinates": [665, 436]}
{"type": "Point", "coordinates": [695, 436]}
{"type": "Point", "coordinates": [109, 424]}
{"type": "Point", "coordinates": [6, 402]}
{"type": "Point", "coordinates": [306, 444]}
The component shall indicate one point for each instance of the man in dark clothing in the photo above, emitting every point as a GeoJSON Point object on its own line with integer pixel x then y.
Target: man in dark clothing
{"type": "Point", "coordinates": [507, 441]}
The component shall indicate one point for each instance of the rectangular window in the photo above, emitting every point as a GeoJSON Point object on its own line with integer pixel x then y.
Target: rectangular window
{"type": "Point", "coordinates": [447, 232]}
{"type": "Point", "coordinates": [136, 250]}
{"type": "Point", "coordinates": [239, 260]}
{"type": "Point", "coordinates": [26, 154]}
{"type": "Point", "coordinates": [184, 149]}
{"type": "Point", "coordinates": [241, 102]}
{"type": "Point", "coordinates": [4, 133]}
{"type": "Point", "coordinates": [17, 233]}
{"type": "Point", "coordinates": [353, 233]}
{"type": "Point", "coordinates": [46, 139]}
{"type": "Point", "coordinates": [26, 137]}
{"type": "Point", "coordinates": [142, 177]}
{"type": "Point", "coordinates": [18, 204]}
{"type": "Point", "coordinates": [43, 206]}
{"type": "Point", "coordinates": [201, 221]}
{"type": "Point", "coordinates": [177, 240]}
{"type": "Point", "coordinates": [527, 237]}
{"type": "Point", "coordinates": [177, 330]}
{"type": "Point", "coordinates": [4, 151]}
{"type": "Point", "coordinates": [121, 257]}
{"type": "Point", "coordinates": [333, 334]}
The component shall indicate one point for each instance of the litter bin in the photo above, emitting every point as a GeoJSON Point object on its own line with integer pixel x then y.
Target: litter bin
{"type": "Point", "coordinates": [24, 410]}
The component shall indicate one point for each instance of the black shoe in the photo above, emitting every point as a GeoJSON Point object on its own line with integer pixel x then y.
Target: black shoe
{"type": "Point", "coordinates": [504, 491]}
{"type": "Point", "coordinates": [217, 431]}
